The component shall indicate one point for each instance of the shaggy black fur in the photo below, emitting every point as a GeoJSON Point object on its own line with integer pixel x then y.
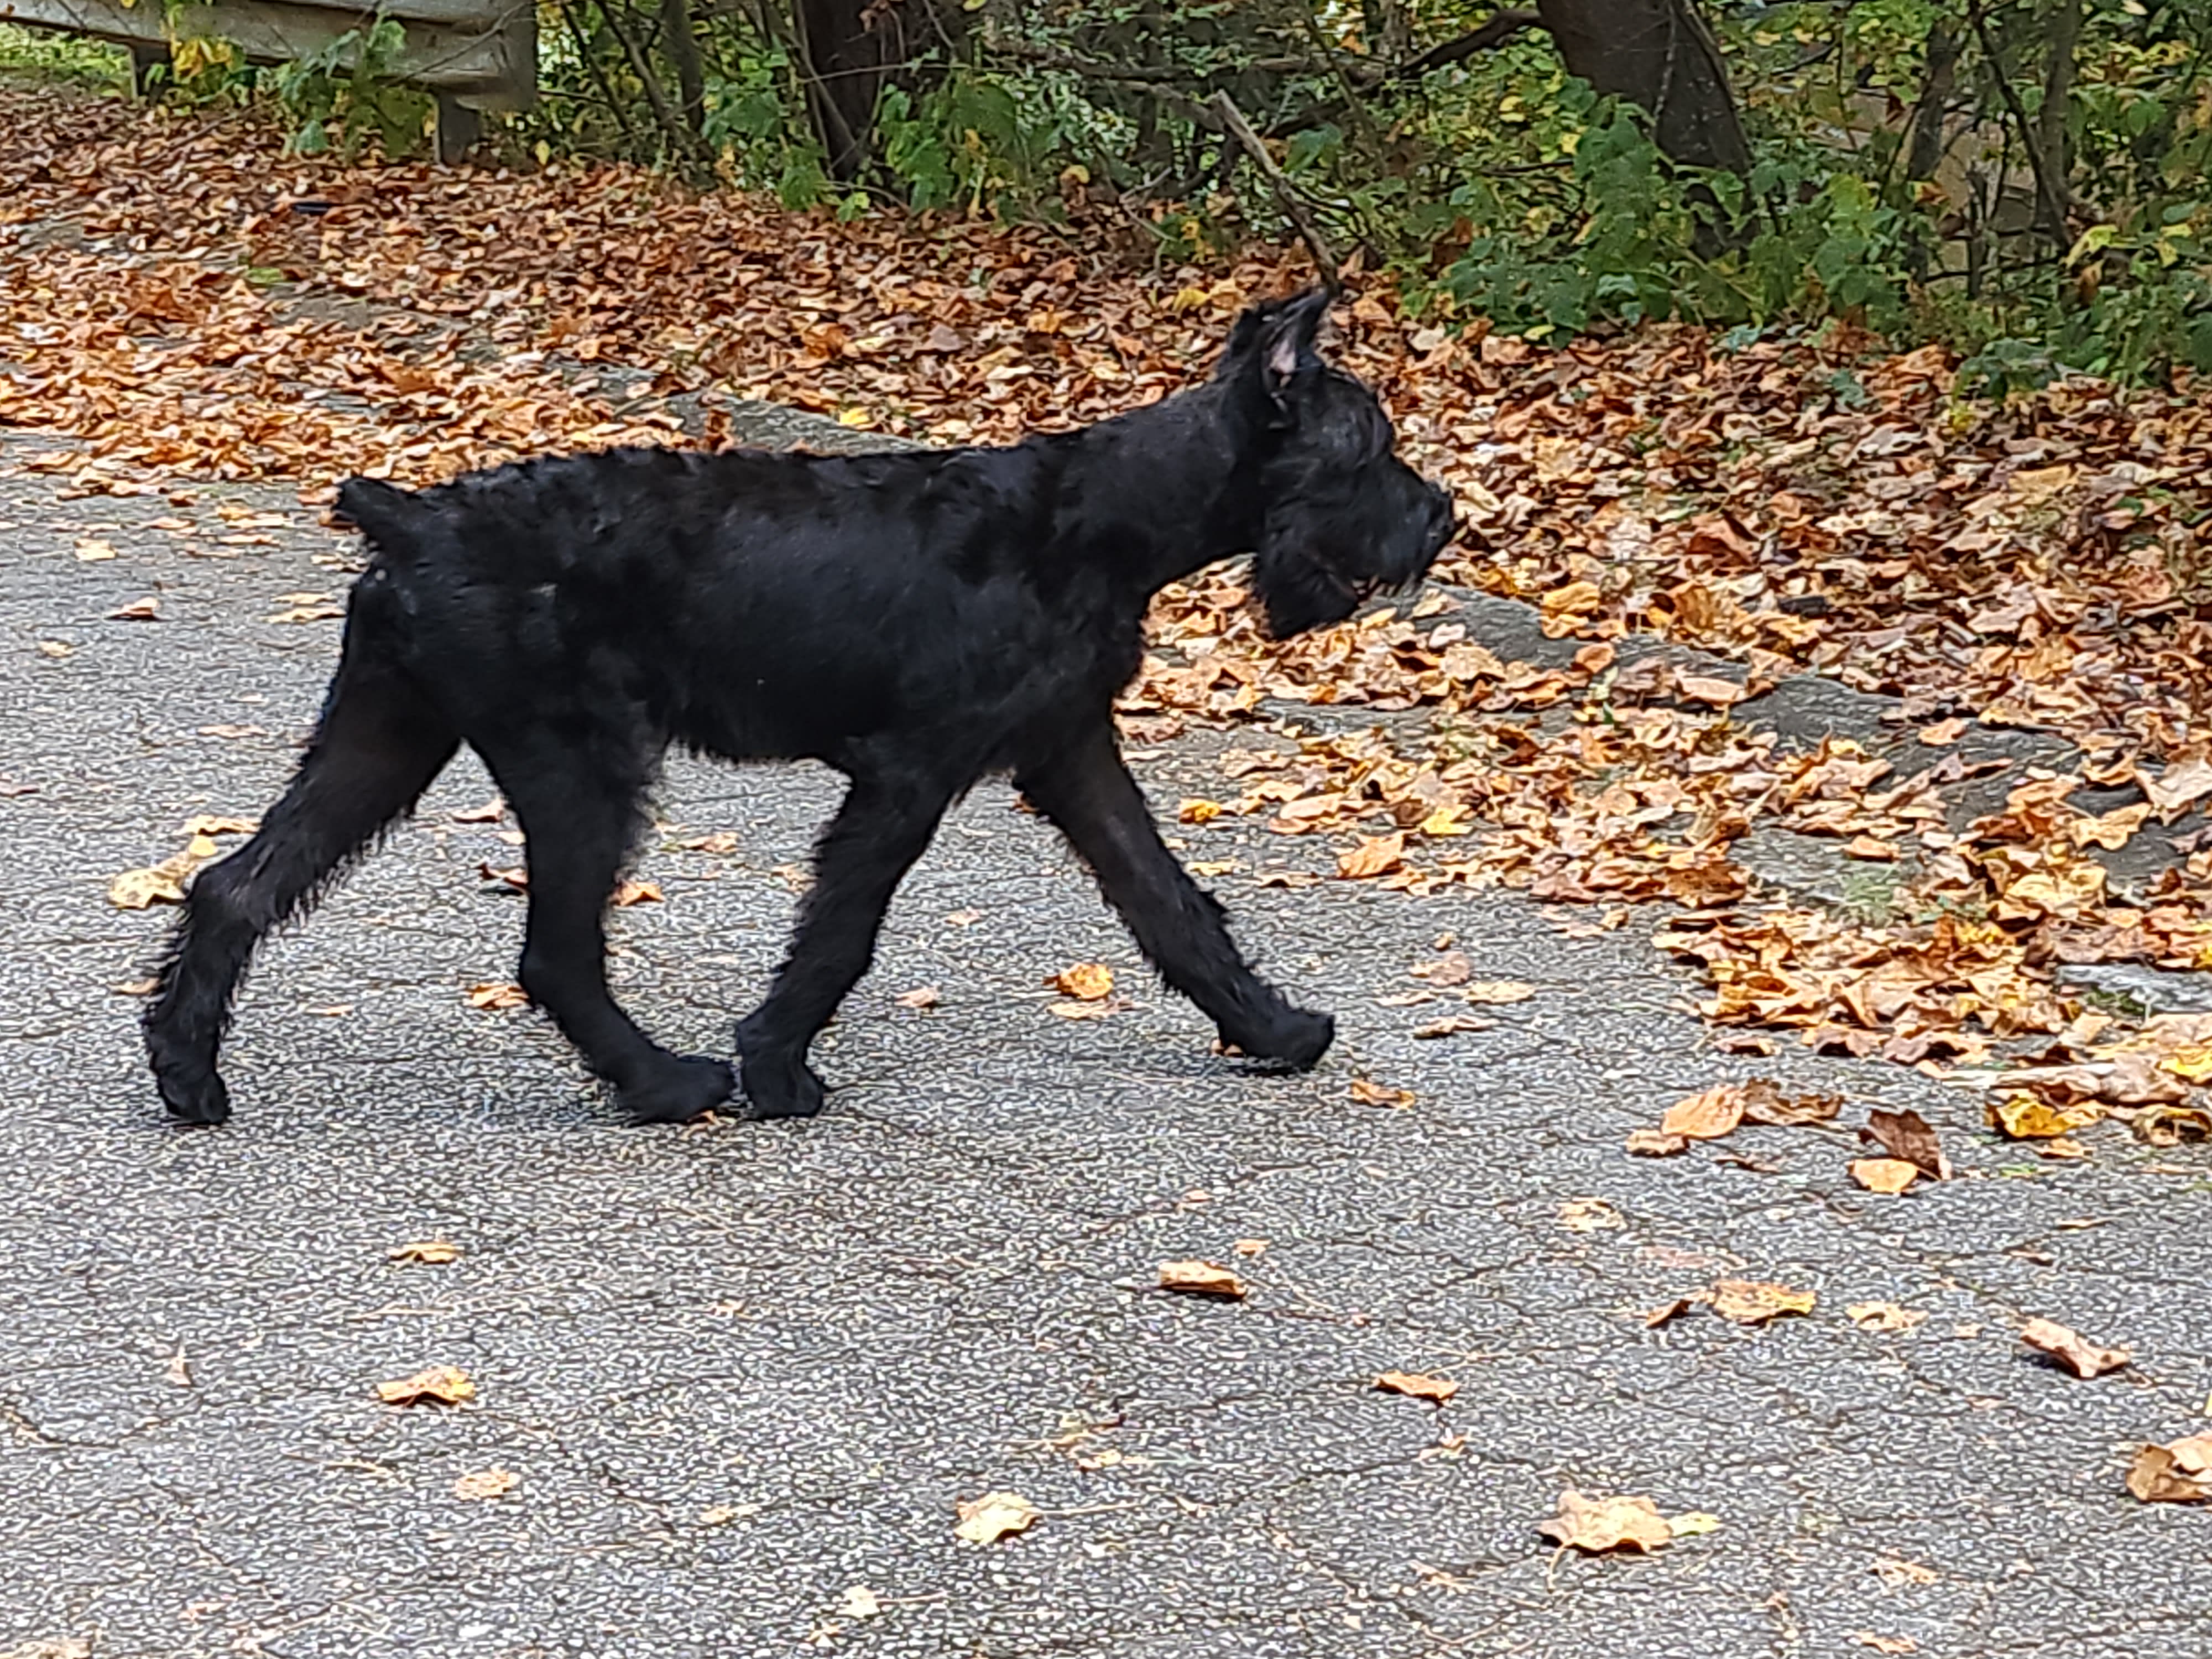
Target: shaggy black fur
{"type": "Point", "coordinates": [916, 620]}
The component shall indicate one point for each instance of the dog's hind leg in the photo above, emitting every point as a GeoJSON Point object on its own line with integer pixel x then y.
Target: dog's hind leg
{"type": "Point", "coordinates": [885, 824]}
{"type": "Point", "coordinates": [581, 818]}
{"type": "Point", "coordinates": [377, 747]}
{"type": "Point", "coordinates": [1088, 792]}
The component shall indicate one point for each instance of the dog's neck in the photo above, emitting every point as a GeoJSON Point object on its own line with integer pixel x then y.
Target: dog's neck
{"type": "Point", "coordinates": [1190, 448]}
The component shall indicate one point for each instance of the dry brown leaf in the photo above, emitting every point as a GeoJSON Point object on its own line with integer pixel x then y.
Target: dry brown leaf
{"type": "Point", "coordinates": [1452, 968]}
{"type": "Point", "coordinates": [636, 892]}
{"type": "Point", "coordinates": [1943, 733]}
{"type": "Point", "coordinates": [445, 1385]}
{"type": "Point", "coordinates": [94, 549]}
{"type": "Point", "coordinates": [2169, 1126]}
{"type": "Point", "coordinates": [1909, 1136]}
{"type": "Point", "coordinates": [1665, 1311]}
{"type": "Point", "coordinates": [1656, 1143]}
{"type": "Point", "coordinates": [993, 1515]}
{"type": "Point", "coordinates": [160, 884]}
{"type": "Point", "coordinates": [1375, 855]}
{"type": "Point", "coordinates": [1104, 1010]}
{"type": "Point", "coordinates": [1249, 1247]}
{"type": "Point", "coordinates": [1087, 981]}
{"type": "Point", "coordinates": [1416, 1386]}
{"type": "Point", "coordinates": [2085, 1357]}
{"type": "Point", "coordinates": [2156, 1477]}
{"type": "Point", "coordinates": [497, 995]}
{"type": "Point", "coordinates": [1710, 688]}
{"type": "Point", "coordinates": [1452, 1025]}
{"type": "Point", "coordinates": [1201, 1278]}
{"type": "Point", "coordinates": [490, 812]}
{"type": "Point", "coordinates": [1596, 1525]}
{"type": "Point", "coordinates": [1884, 1174]}
{"type": "Point", "coordinates": [1589, 1215]}
{"type": "Point", "coordinates": [2192, 1455]}
{"type": "Point", "coordinates": [486, 1483]}
{"type": "Point", "coordinates": [1755, 1301]}
{"type": "Point", "coordinates": [922, 996]}
{"type": "Point", "coordinates": [1764, 1103]}
{"type": "Point", "coordinates": [430, 1252]}
{"type": "Point", "coordinates": [1891, 1645]}
{"type": "Point", "coordinates": [1706, 1116]}
{"type": "Point", "coordinates": [1885, 1316]}
{"type": "Point", "coordinates": [1498, 992]}
{"type": "Point", "coordinates": [1368, 1093]}
{"type": "Point", "coordinates": [146, 609]}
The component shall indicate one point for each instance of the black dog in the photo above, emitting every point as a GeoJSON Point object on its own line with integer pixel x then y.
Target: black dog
{"type": "Point", "coordinates": [915, 620]}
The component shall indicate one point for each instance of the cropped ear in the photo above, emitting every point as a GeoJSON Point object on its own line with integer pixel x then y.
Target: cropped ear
{"type": "Point", "coordinates": [1273, 343]}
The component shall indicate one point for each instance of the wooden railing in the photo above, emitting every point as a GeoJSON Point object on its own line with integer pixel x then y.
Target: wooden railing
{"type": "Point", "coordinates": [471, 55]}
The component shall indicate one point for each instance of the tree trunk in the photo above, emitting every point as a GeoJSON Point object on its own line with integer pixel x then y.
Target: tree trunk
{"type": "Point", "coordinates": [680, 40]}
{"type": "Point", "coordinates": [852, 48]}
{"type": "Point", "coordinates": [1660, 56]}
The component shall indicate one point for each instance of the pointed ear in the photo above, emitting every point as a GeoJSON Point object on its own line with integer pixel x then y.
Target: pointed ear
{"type": "Point", "coordinates": [1273, 343]}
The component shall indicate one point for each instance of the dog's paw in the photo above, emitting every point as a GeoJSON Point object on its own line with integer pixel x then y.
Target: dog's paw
{"type": "Point", "coordinates": [781, 1089]}
{"type": "Point", "coordinates": [194, 1097]}
{"type": "Point", "coordinates": [1295, 1038]}
{"type": "Point", "coordinates": [690, 1087]}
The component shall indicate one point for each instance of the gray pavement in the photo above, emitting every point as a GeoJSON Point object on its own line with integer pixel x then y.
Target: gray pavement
{"type": "Point", "coordinates": [741, 1371]}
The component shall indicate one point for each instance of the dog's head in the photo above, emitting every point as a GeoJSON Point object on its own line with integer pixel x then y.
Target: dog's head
{"type": "Point", "coordinates": [1342, 516]}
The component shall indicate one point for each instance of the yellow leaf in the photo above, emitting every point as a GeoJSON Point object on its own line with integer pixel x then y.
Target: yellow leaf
{"type": "Point", "coordinates": [1198, 811]}
{"type": "Point", "coordinates": [1754, 1301]}
{"type": "Point", "coordinates": [1087, 981]}
{"type": "Point", "coordinates": [1498, 992]}
{"type": "Point", "coordinates": [1884, 1174]}
{"type": "Point", "coordinates": [498, 995]}
{"type": "Point", "coordinates": [2023, 1117]}
{"type": "Point", "coordinates": [444, 1384]}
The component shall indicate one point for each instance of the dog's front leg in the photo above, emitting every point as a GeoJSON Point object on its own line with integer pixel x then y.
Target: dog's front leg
{"type": "Point", "coordinates": [1088, 792]}
{"type": "Point", "coordinates": [883, 827]}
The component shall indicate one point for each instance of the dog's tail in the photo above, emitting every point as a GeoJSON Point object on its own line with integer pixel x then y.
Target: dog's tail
{"type": "Point", "coordinates": [394, 519]}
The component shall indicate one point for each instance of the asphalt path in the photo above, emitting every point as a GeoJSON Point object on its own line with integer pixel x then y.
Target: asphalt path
{"type": "Point", "coordinates": [742, 1374]}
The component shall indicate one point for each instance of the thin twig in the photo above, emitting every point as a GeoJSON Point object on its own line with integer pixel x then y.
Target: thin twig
{"type": "Point", "coordinates": [1234, 124]}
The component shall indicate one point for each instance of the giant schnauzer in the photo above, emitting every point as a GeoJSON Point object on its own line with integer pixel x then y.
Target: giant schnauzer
{"type": "Point", "coordinates": [915, 620]}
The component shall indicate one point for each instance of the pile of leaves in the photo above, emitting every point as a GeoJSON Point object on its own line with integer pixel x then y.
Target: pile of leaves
{"type": "Point", "coordinates": [187, 299]}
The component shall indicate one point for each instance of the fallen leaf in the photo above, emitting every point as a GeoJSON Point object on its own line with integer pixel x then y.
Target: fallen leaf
{"type": "Point", "coordinates": [486, 1483]}
{"type": "Point", "coordinates": [306, 613]}
{"type": "Point", "coordinates": [2024, 1117]}
{"type": "Point", "coordinates": [2086, 1358]}
{"type": "Point", "coordinates": [445, 1384]}
{"type": "Point", "coordinates": [209, 823]}
{"type": "Point", "coordinates": [2192, 1455]}
{"type": "Point", "coordinates": [1198, 811]}
{"type": "Point", "coordinates": [430, 1252]}
{"type": "Point", "coordinates": [1453, 968]}
{"type": "Point", "coordinates": [2169, 1126]}
{"type": "Point", "coordinates": [1884, 1174]}
{"type": "Point", "coordinates": [1087, 981]}
{"type": "Point", "coordinates": [231, 730]}
{"type": "Point", "coordinates": [1943, 733]}
{"type": "Point", "coordinates": [1763, 1102]}
{"type": "Point", "coordinates": [721, 844]}
{"type": "Point", "coordinates": [177, 1373]}
{"type": "Point", "coordinates": [1870, 850]}
{"type": "Point", "coordinates": [515, 876]}
{"type": "Point", "coordinates": [1596, 1525]}
{"type": "Point", "coordinates": [1249, 1247]}
{"type": "Point", "coordinates": [2156, 1477]}
{"type": "Point", "coordinates": [1416, 1386]}
{"type": "Point", "coordinates": [146, 609]}
{"type": "Point", "coordinates": [1378, 1094]}
{"type": "Point", "coordinates": [922, 996]}
{"type": "Point", "coordinates": [636, 892]}
{"type": "Point", "coordinates": [860, 1602]}
{"type": "Point", "coordinates": [94, 549]}
{"type": "Point", "coordinates": [1867, 1638]}
{"type": "Point", "coordinates": [1375, 855]}
{"type": "Point", "coordinates": [1589, 1215]}
{"type": "Point", "coordinates": [993, 1515]}
{"type": "Point", "coordinates": [1909, 1136]}
{"type": "Point", "coordinates": [1710, 688]}
{"type": "Point", "coordinates": [136, 890]}
{"type": "Point", "coordinates": [1201, 1278]}
{"type": "Point", "coordinates": [1754, 1301]}
{"type": "Point", "coordinates": [490, 812]}
{"type": "Point", "coordinates": [1706, 1116]}
{"type": "Point", "coordinates": [1656, 1143]}
{"type": "Point", "coordinates": [1885, 1316]}
{"type": "Point", "coordinates": [1498, 992]}
{"type": "Point", "coordinates": [55, 648]}
{"type": "Point", "coordinates": [1087, 1010]}
{"type": "Point", "coordinates": [1665, 1311]}
{"type": "Point", "coordinates": [1694, 1523]}
{"type": "Point", "coordinates": [498, 995]}
{"type": "Point", "coordinates": [1452, 1025]}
